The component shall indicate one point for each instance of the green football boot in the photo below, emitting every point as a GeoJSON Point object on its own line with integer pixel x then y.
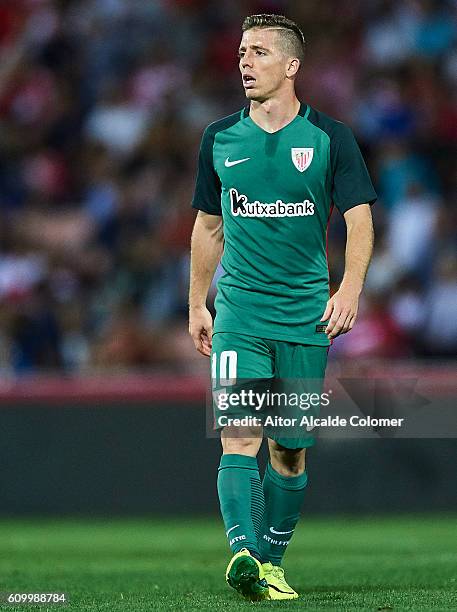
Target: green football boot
{"type": "Point", "coordinates": [245, 574]}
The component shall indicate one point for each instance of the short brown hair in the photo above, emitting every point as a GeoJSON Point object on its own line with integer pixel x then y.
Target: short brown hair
{"type": "Point", "coordinates": [291, 33]}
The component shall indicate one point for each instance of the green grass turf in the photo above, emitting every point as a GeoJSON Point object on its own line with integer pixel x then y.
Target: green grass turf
{"type": "Point", "coordinates": [344, 564]}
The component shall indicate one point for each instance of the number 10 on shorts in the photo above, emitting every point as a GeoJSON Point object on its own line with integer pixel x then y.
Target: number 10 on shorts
{"type": "Point", "coordinates": [226, 366]}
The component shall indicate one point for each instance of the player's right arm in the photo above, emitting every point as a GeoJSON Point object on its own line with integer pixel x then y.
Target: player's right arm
{"type": "Point", "coordinates": [206, 244]}
{"type": "Point", "coordinates": [206, 250]}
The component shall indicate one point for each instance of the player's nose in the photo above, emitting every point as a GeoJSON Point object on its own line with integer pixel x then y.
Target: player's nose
{"type": "Point", "coordinates": [246, 60]}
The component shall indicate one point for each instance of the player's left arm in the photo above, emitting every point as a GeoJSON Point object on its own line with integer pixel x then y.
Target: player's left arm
{"type": "Point", "coordinates": [343, 305]}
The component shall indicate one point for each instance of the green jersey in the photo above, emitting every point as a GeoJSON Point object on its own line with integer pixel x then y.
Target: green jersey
{"type": "Point", "coordinates": [275, 192]}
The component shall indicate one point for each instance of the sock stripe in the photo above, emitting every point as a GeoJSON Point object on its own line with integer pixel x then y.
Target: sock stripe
{"type": "Point", "coordinates": [257, 504]}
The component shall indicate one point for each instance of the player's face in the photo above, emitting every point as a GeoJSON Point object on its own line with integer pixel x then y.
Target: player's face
{"type": "Point", "coordinates": [263, 64]}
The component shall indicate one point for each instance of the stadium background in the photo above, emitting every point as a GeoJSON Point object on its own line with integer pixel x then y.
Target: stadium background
{"type": "Point", "coordinates": [102, 106]}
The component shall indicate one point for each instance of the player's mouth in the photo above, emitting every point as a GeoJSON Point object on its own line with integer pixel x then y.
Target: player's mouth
{"type": "Point", "coordinates": [248, 81]}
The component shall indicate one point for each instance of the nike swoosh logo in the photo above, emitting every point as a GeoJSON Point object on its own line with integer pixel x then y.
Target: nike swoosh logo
{"type": "Point", "coordinates": [273, 530]}
{"type": "Point", "coordinates": [231, 529]}
{"type": "Point", "coordinates": [272, 586]}
{"type": "Point", "coordinates": [228, 163]}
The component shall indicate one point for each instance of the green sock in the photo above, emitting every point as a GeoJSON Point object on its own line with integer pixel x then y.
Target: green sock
{"type": "Point", "coordinates": [241, 499]}
{"type": "Point", "coordinates": [283, 499]}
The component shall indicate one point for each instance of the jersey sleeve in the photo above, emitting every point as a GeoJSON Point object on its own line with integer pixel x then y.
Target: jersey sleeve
{"type": "Point", "coordinates": [207, 194]}
{"type": "Point", "coordinates": [351, 182]}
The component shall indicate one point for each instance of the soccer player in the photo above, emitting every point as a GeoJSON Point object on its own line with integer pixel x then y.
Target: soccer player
{"type": "Point", "coordinates": [268, 177]}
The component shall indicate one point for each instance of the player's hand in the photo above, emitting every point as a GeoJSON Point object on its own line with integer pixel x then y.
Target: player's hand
{"type": "Point", "coordinates": [201, 329]}
{"type": "Point", "coordinates": [342, 311]}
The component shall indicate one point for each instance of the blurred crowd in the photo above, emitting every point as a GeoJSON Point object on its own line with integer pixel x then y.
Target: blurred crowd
{"type": "Point", "coordinates": [102, 107]}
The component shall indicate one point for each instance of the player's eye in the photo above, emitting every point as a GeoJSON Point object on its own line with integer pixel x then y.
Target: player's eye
{"type": "Point", "coordinates": [240, 53]}
{"type": "Point", "coordinates": [258, 52]}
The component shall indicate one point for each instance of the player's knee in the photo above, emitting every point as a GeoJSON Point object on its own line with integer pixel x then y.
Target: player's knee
{"type": "Point", "coordinates": [238, 441]}
{"type": "Point", "coordinates": [287, 461]}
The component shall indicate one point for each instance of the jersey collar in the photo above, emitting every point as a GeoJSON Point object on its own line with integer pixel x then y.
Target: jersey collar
{"type": "Point", "coordinates": [303, 111]}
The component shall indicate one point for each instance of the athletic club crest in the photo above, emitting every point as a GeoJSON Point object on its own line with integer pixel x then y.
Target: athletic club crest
{"type": "Point", "coordinates": [302, 158]}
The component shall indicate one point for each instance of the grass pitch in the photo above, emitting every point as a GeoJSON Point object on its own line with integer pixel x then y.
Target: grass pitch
{"type": "Point", "coordinates": [343, 564]}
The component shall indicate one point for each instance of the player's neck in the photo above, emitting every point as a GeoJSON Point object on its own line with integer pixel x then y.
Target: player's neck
{"type": "Point", "coordinates": [275, 113]}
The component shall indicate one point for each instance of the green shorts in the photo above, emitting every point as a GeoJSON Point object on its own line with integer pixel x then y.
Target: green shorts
{"type": "Point", "coordinates": [277, 369]}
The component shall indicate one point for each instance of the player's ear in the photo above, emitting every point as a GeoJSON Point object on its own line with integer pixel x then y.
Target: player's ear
{"type": "Point", "coordinates": [292, 66]}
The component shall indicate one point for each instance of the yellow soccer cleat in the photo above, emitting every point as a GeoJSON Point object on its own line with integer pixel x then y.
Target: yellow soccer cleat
{"type": "Point", "coordinates": [277, 585]}
{"type": "Point", "coordinates": [245, 574]}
